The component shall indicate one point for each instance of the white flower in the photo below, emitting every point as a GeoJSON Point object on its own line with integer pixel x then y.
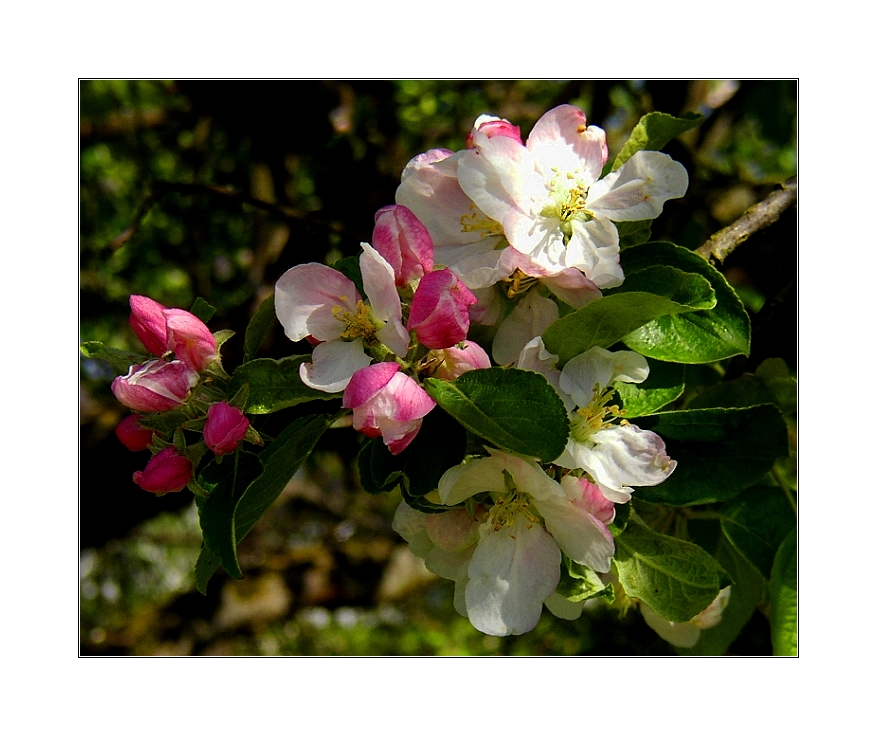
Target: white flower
{"type": "Point", "coordinates": [616, 455]}
{"type": "Point", "coordinates": [515, 565]}
{"type": "Point", "coordinates": [313, 300]}
{"type": "Point", "coordinates": [547, 197]}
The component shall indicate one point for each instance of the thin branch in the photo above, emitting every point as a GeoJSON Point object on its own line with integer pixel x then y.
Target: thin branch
{"type": "Point", "coordinates": [161, 188]}
{"type": "Point", "coordinates": [759, 216]}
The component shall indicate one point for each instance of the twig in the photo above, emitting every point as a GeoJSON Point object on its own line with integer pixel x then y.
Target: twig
{"type": "Point", "coordinates": [161, 188]}
{"type": "Point", "coordinates": [759, 216]}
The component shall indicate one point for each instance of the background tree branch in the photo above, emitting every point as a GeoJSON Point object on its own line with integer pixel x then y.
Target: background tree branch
{"type": "Point", "coordinates": [721, 244]}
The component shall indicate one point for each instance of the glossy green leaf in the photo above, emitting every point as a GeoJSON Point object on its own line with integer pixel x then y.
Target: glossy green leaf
{"type": "Point", "coordinates": [719, 452]}
{"type": "Point", "coordinates": [654, 131]}
{"type": "Point", "coordinates": [675, 578]}
{"type": "Point", "coordinates": [756, 522]}
{"type": "Point", "coordinates": [664, 385]}
{"type": "Point", "coordinates": [280, 460]}
{"type": "Point", "coordinates": [633, 233]}
{"type": "Point", "coordinates": [226, 483]}
{"type": "Point", "coordinates": [662, 290]}
{"type": "Point", "coordinates": [784, 598]}
{"type": "Point", "coordinates": [514, 409]}
{"type": "Point", "coordinates": [258, 327]}
{"type": "Point", "coordinates": [688, 336]}
{"type": "Point", "coordinates": [120, 360]}
{"type": "Point", "coordinates": [275, 384]}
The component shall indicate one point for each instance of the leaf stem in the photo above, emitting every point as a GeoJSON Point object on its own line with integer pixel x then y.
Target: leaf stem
{"type": "Point", "coordinates": [782, 484]}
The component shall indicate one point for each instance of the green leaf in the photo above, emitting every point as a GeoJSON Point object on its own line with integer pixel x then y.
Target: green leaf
{"type": "Point", "coordinates": [258, 328]}
{"type": "Point", "coordinates": [514, 409]}
{"type": "Point", "coordinates": [774, 373]}
{"type": "Point", "coordinates": [120, 360]}
{"type": "Point", "coordinates": [440, 444]}
{"type": "Point", "coordinates": [280, 460]}
{"type": "Point", "coordinates": [275, 384]}
{"type": "Point", "coordinates": [784, 598]}
{"type": "Point", "coordinates": [654, 131]}
{"type": "Point", "coordinates": [746, 593]}
{"type": "Point", "coordinates": [719, 452]}
{"type": "Point", "coordinates": [756, 522]}
{"type": "Point", "coordinates": [226, 483]}
{"type": "Point", "coordinates": [688, 336]}
{"type": "Point", "coordinates": [579, 583]}
{"type": "Point", "coordinates": [633, 233]}
{"type": "Point", "coordinates": [202, 309]}
{"type": "Point", "coordinates": [743, 391]}
{"type": "Point", "coordinates": [676, 579]}
{"type": "Point", "coordinates": [379, 470]}
{"type": "Point", "coordinates": [663, 291]}
{"type": "Point", "coordinates": [664, 385]}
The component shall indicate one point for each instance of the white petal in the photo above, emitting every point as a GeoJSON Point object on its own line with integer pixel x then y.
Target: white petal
{"type": "Point", "coordinates": [492, 177]}
{"type": "Point", "coordinates": [582, 538]}
{"type": "Point", "coordinates": [333, 365]}
{"type": "Point", "coordinates": [593, 249]}
{"type": "Point", "coordinates": [379, 283]}
{"type": "Point", "coordinates": [638, 190]}
{"type": "Point", "coordinates": [678, 634]}
{"type": "Point", "coordinates": [511, 574]}
{"type": "Point", "coordinates": [529, 319]}
{"type": "Point", "coordinates": [305, 296]}
{"type": "Point", "coordinates": [464, 481]}
{"type": "Point", "coordinates": [624, 456]}
{"type": "Point", "coordinates": [598, 366]}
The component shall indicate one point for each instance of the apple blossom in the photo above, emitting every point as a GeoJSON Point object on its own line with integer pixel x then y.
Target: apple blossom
{"type": "Point", "coordinates": [387, 403]}
{"type": "Point", "coordinates": [155, 386]}
{"type": "Point", "coordinates": [491, 125]}
{"type": "Point", "coordinates": [549, 199]}
{"type": "Point", "coordinates": [440, 310]}
{"type": "Point", "coordinates": [515, 566]}
{"type": "Point", "coordinates": [316, 301]}
{"type": "Point", "coordinates": [616, 455]}
{"type": "Point", "coordinates": [225, 428]}
{"type": "Point", "coordinates": [166, 472]}
{"type": "Point", "coordinates": [404, 243]}
{"type": "Point", "coordinates": [131, 434]}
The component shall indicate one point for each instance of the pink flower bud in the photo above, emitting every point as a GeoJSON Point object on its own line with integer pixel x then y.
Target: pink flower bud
{"type": "Point", "coordinates": [132, 435]}
{"type": "Point", "coordinates": [440, 310]}
{"type": "Point", "coordinates": [455, 361]}
{"type": "Point", "coordinates": [225, 428]}
{"type": "Point", "coordinates": [492, 126]}
{"type": "Point", "coordinates": [189, 338]}
{"type": "Point", "coordinates": [388, 403]}
{"type": "Point", "coordinates": [149, 324]}
{"type": "Point", "coordinates": [155, 386]}
{"type": "Point", "coordinates": [166, 472]}
{"type": "Point", "coordinates": [404, 243]}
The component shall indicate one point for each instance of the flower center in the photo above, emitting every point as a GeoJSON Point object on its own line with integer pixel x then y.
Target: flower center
{"type": "Point", "coordinates": [359, 322]}
{"type": "Point", "coordinates": [597, 415]}
{"type": "Point", "coordinates": [506, 509]}
{"type": "Point", "coordinates": [567, 201]}
{"type": "Point", "coordinates": [519, 282]}
{"type": "Point", "coordinates": [475, 222]}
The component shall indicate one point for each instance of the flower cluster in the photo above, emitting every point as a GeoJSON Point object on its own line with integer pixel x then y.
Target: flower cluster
{"type": "Point", "coordinates": [501, 236]}
{"type": "Point", "coordinates": [179, 378]}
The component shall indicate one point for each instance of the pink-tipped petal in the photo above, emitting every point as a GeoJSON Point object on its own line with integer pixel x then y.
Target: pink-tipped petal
{"type": "Point", "coordinates": [404, 243]}
{"type": "Point", "coordinates": [440, 310]}
{"type": "Point", "coordinates": [189, 338]}
{"type": "Point", "coordinates": [148, 322]}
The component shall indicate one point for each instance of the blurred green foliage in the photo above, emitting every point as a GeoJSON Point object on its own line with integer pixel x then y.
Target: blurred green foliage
{"type": "Point", "coordinates": [214, 189]}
